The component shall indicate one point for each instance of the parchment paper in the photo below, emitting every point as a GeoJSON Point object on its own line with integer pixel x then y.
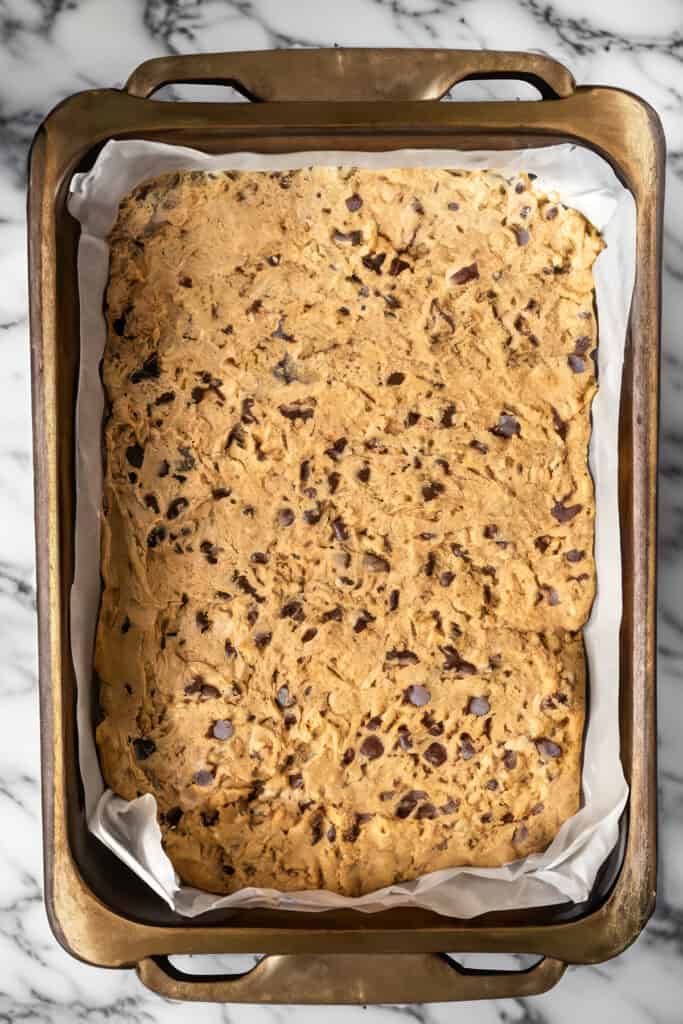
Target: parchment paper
{"type": "Point", "coordinates": [567, 869]}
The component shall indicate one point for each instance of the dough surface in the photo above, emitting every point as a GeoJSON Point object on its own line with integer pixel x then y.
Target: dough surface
{"type": "Point", "coordinates": [347, 544]}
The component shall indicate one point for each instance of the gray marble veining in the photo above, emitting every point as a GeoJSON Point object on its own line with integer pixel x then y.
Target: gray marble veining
{"type": "Point", "coordinates": [51, 48]}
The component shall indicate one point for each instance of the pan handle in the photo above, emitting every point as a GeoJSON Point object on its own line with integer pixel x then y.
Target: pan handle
{"type": "Point", "coordinates": [350, 978]}
{"type": "Point", "coordinates": [350, 74]}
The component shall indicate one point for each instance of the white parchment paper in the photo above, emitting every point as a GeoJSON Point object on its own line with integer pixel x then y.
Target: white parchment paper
{"type": "Point", "coordinates": [567, 869]}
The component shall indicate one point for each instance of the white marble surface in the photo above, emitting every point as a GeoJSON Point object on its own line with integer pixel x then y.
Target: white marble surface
{"type": "Point", "coordinates": [50, 48]}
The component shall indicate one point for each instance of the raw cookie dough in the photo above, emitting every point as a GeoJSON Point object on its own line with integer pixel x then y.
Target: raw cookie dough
{"type": "Point", "coordinates": [347, 541]}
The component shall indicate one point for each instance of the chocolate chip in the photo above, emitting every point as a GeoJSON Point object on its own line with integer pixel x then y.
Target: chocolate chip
{"type": "Point", "coordinates": [297, 411]}
{"type": "Point", "coordinates": [333, 481]}
{"type": "Point", "coordinates": [119, 325]}
{"type": "Point", "coordinates": [372, 747]}
{"type": "Point", "coordinates": [259, 557]}
{"type": "Point", "coordinates": [542, 543]}
{"type": "Point", "coordinates": [362, 622]}
{"type": "Point", "coordinates": [435, 754]}
{"type": "Point", "coordinates": [465, 274]}
{"type": "Point", "coordinates": [218, 493]}
{"type": "Point", "coordinates": [492, 784]}
{"type": "Point", "coordinates": [350, 238]}
{"type": "Point", "coordinates": [454, 663]}
{"type": "Point", "coordinates": [313, 515]}
{"type": "Point", "coordinates": [209, 818]}
{"type": "Point", "coordinates": [510, 759]}
{"type": "Point", "coordinates": [150, 370]}
{"type": "Point", "coordinates": [521, 834]}
{"type": "Point", "coordinates": [537, 809]}
{"type": "Point", "coordinates": [446, 578]}
{"type": "Point", "coordinates": [280, 332]}
{"type": "Point", "coordinates": [144, 748]}
{"type": "Point", "coordinates": [155, 536]}
{"type": "Point", "coordinates": [262, 640]}
{"type": "Point", "coordinates": [547, 748]}
{"type": "Point", "coordinates": [173, 816]}
{"type": "Point", "coordinates": [575, 556]}
{"type": "Point", "coordinates": [125, 625]}
{"type": "Point", "coordinates": [309, 635]}
{"type": "Point", "coordinates": [432, 490]}
{"type": "Point", "coordinates": [467, 750]}
{"type": "Point", "coordinates": [151, 502]}
{"type": "Point", "coordinates": [333, 615]}
{"type": "Point", "coordinates": [559, 424]}
{"type": "Point", "coordinates": [339, 529]}
{"type": "Point", "coordinates": [521, 234]}
{"type": "Point", "coordinates": [491, 531]}
{"type": "Point", "coordinates": [426, 811]}
{"type": "Point", "coordinates": [230, 650]}
{"type": "Point", "coordinates": [552, 596]}
{"type": "Point", "coordinates": [447, 416]}
{"type": "Point", "coordinates": [454, 207]}
{"type": "Point", "coordinates": [336, 449]}
{"type": "Point", "coordinates": [394, 598]}
{"type": "Point", "coordinates": [405, 741]}
{"type": "Point", "coordinates": [397, 266]}
{"type": "Point", "coordinates": [406, 806]}
{"type": "Point", "coordinates": [430, 564]}
{"type": "Point", "coordinates": [285, 517]}
{"type": "Point", "coordinates": [551, 213]}
{"type": "Point", "coordinates": [203, 621]}
{"type": "Point", "coordinates": [222, 729]}
{"type": "Point", "coordinates": [135, 454]}
{"type": "Point", "coordinates": [576, 363]}
{"type": "Point", "coordinates": [273, 260]}
{"type": "Point", "coordinates": [450, 807]}
{"type": "Point", "coordinates": [416, 695]}
{"type": "Point", "coordinates": [478, 706]}
{"type": "Point", "coordinates": [296, 781]}
{"type": "Point", "coordinates": [374, 722]}
{"type": "Point", "coordinates": [374, 261]}
{"type": "Point", "coordinates": [348, 756]}
{"type": "Point", "coordinates": [403, 657]}
{"type": "Point", "coordinates": [375, 563]}
{"type": "Point", "coordinates": [292, 610]}
{"type": "Point", "coordinates": [283, 697]}
{"type": "Point", "coordinates": [507, 426]}
{"type": "Point", "coordinates": [285, 369]}
{"type": "Point", "coordinates": [564, 513]}
{"type": "Point", "coordinates": [202, 778]}
{"type": "Point", "coordinates": [363, 474]}
{"type": "Point", "coordinates": [354, 203]}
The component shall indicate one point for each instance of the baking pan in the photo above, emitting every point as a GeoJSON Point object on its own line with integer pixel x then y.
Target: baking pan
{"type": "Point", "coordinates": [374, 100]}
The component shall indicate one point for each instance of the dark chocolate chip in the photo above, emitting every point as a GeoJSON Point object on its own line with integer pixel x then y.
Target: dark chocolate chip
{"type": "Point", "coordinates": [446, 578]}
{"type": "Point", "coordinates": [521, 834]}
{"type": "Point", "coordinates": [405, 741]}
{"type": "Point", "coordinates": [454, 663]}
{"type": "Point", "coordinates": [313, 515]}
{"type": "Point", "coordinates": [576, 363]}
{"type": "Point", "coordinates": [284, 698]}
{"type": "Point", "coordinates": [349, 238]}
{"type": "Point", "coordinates": [374, 261]}
{"type": "Point", "coordinates": [150, 370]}
{"type": "Point", "coordinates": [155, 536]}
{"type": "Point", "coordinates": [203, 621]}
{"type": "Point", "coordinates": [492, 784]}
{"type": "Point", "coordinates": [172, 816]}
{"type": "Point", "coordinates": [262, 640]}
{"type": "Point", "coordinates": [537, 809]}
{"type": "Point", "coordinates": [280, 332]}
{"type": "Point", "coordinates": [292, 610]}
{"type": "Point", "coordinates": [296, 781]}
{"type": "Point", "coordinates": [454, 207]}
{"type": "Point", "coordinates": [397, 266]}
{"type": "Point", "coordinates": [151, 502]}
{"type": "Point", "coordinates": [426, 810]}
{"type": "Point", "coordinates": [447, 416]}
{"type": "Point", "coordinates": [333, 615]}
{"type": "Point", "coordinates": [394, 598]}
{"type": "Point", "coordinates": [135, 454]}
{"type": "Point", "coordinates": [374, 722]}
{"type": "Point", "coordinates": [403, 657]}
{"type": "Point", "coordinates": [372, 747]}
{"type": "Point", "coordinates": [467, 750]}
{"type": "Point", "coordinates": [564, 513]}
{"type": "Point", "coordinates": [354, 203]}
{"type": "Point", "coordinates": [478, 706]}
{"type": "Point", "coordinates": [507, 426]}
{"type": "Point", "coordinates": [285, 517]}
{"type": "Point", "coordinates": [339, 529]}
{"type": "Point", "coordinates": [297, 411]}
{"type": "Point", "coordinates": [202, 778]}
{"type": "Point", "coordinates": [542, 543]}
{"type": "Point", "coordinates": [396, 378]}
{"type": "Point", "coordinates": [491, 531]}
{"type": "Point", "coordinates": [375, 563]}
{"type": "Point", "coordinates": [510, 759]}
{"type": "Point", "coordinates": [465, 274]}
{"type": "Point", "coordinates": [435, 754]}
{"type": "Point", "coordinates": [450, 807]}
{"type": "Point", "coordinates": [406, 806]}
{"type": "Point", "coordinates": [479, 446]}
{"type": "Point", "coordinates": [125, 625]}
{"type": "Point", "coordinates": [575, 556]}
{"type": "Point", "coordinates": [218, 493]}
{"type": "Point", "coordinates": [348, 756]}
{"type": "Point", "coordinates": [363, 621]}
{"type": "Point", "coordinates": [547, 748]}
{"type": "Point", "coordinates": [412, 418]}
{"type": "Point", "coordinates": [209, 818]}
{"type": "Point", "coordinates": [363, 474]}
{"type": "Point", "coordinates": [551, 213]}
{"type": "Point", "coordinates": [333, 481]}
{"type": "Point", "coordinates": [259, 557]}
{"type": "Point", "coordinates": [416, 695]}
{"type": "Point", "coordinates": [581, 345]}
{"type": "Point", "coordinates": [222, 729]}
{"type": "Point", "coordinates": [521, 234]}
{"type": "Point", "coordinates": [309, 635]}
{"type": "Point", "coordinates": [144, 748]}
{"type": "Point", "coordinates": [119, 325]}
{"type": "Point", "coordinates": [285, 369]}
{"type": "Point", "coordinates": [432, 490]}
{"type": "Point", "coordinates": [336, 449]}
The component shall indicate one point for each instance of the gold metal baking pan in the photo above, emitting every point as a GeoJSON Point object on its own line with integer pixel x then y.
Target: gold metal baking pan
{"type": "Point", "coordinates": [336, 99]}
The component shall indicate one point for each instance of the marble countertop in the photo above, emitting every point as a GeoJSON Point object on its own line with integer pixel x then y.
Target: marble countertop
{"type": "Point", "coordinates": [51, 48]}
